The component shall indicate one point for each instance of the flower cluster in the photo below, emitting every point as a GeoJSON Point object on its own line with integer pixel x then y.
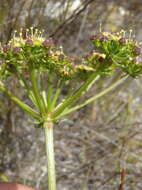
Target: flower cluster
{"type": "Point", "coordinates": [115, 51]}
{"type": "Point", "coordinates": [33, 51]}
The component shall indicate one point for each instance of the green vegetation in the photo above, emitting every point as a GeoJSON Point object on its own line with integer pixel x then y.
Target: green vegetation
{"type": "Point", "coordinates": [42, 70]}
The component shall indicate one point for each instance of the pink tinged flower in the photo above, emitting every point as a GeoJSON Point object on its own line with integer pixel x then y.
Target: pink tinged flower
{"type": "Point", "coordinates": [48, 43]}
{"type": "Point", "coordinates": [61, 56]}
{"type": "Point", "coordinates": [137, 50]}
{"type": "Point", "coordinates": [103, 39]}
{"type": "Point", "coordinates": [16, 50]}
{"type": "Point", "coordinates": [45, 44]}
{"type": "Point", "coordinates": [6, 48]}
{"type": "Point", "coordinates": [122, 40]}
{"type": "Point", "coordinates": [29, 42]}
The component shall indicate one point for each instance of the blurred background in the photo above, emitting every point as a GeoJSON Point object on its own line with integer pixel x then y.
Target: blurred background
{"type": "Point", "coordinates": [96, 142]}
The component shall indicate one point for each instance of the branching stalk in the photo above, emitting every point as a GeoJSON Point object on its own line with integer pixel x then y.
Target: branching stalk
{"type": "Point", "coordinates": [55, 98]}
{"type": "Point", "coordinates": [114, 85]}
{"type": "Point", "coordinates": [27, 89]}
{"type": "Point", "coordinates": [72, 99]}
{"type": "Point", "coordinates": [36, 92]}
{"type": "Point", "coordinates": [22, 105]}
{"type": "Point", "coordinates": [49, 93]}
{"type": "Point", "coordinates": [43, 89]}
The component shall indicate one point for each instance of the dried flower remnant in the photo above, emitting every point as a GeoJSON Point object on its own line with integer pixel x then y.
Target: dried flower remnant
{"type": "Point", "coordinates": [101, 59]}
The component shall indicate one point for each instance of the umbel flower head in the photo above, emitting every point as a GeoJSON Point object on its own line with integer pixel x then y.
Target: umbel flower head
{"type": "Point", "coordinates": [116, 51]}
{"type": "Point", "coordinates": [33, 51]}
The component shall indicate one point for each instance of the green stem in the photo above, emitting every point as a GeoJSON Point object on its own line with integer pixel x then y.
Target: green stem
{"type": "Point", "coordinates": [22, 105]}
{"type": "Point", "coordinates": [23, 83]}
{"type": "Point", "coordinates": [43, 89]}
{"type": "Point", "coordinates": [56, 96]}
{"type": "Point", "coordinates": [72, 99]}
{"type": "Point", "coordinates": [114, 85]}
{"type": "Point", "coordinates": [48, 128]}
{"type": "Point", "coordinates": [36, 92]}
{"type": "Point", "coordinates": [49, 93]}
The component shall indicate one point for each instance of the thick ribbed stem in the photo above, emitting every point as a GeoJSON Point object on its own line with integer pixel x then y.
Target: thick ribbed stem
{"type": "Point", "coordinates": [48, 128]}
